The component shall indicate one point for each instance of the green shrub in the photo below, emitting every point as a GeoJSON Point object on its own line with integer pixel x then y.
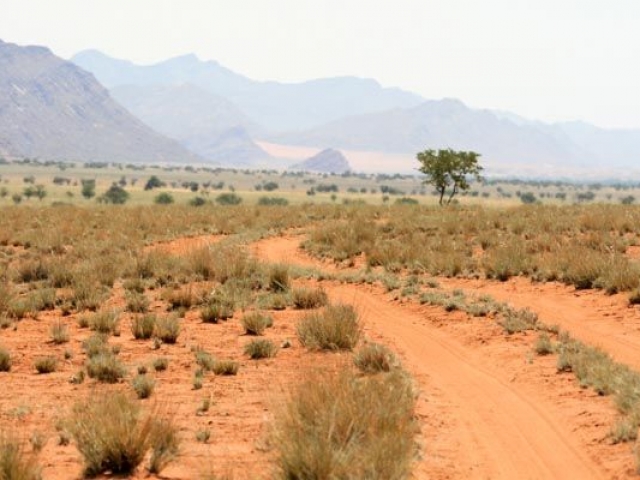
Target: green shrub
{"type": "Point", "coordinates": [374, 358]}
{"type": "Point", "coordinates": [255, 323]}
{"type": "Point", "coordinates": [96, 344]}
{"type": "Point", "coordinates": [335, 328]}
{"type": "Point", "coordinates": [114, 435]}
{"type": "Point", "coordinates": [260, 348]}
{"type": "Point", "coordinates": [163, 198]}
{"type": "Point", "coordinates": [228, 199]}
{"type": "Point", "coordinates": [273, 201]}
{"type": "Point", "coordinates": [308, 298]}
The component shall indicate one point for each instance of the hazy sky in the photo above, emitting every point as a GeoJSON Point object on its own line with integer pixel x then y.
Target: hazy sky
{"type": "Point", "coordinates": [546, 59]}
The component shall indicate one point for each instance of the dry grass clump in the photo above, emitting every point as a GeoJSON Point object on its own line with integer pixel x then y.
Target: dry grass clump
{"type": "Point", "coordinates": [143, 385]}
{"type": "Point", "coordinates": [514, 321]}
{"type": "Point", "coordinates": [216, 310]}
{"type": "Point", "coordinates": [374, 358]}
{"type": "Point", "coordinates": [336, 327]}
{"type": "Point", "coordinates": [596, 369]}
{"type": "Point", "coordinates": [107, 322]}
{"type": "Point", "coordinates": [15, 462]}
{"type": "Point", "coordinates": [5, 360]}
{"type": "Point", "coordinates": [543, 345]}
{"type": "Point", "coordinates": [255, 323]}
{"type": "Point", "coordinates": [106, 367]}
{"type": "Point", "coordinates": [260, 348]}
{"type": "Point", "coordinates": [168, 329]}
{"type": "Point", "coordinates": [137, 302]}
{"type": "Point", "coordinates": [142, 328]}
{"type": "Point", "coordinates": [113, 434]}
{"type": "Point", "coordinates": [225, 367]}
{"type": "Point", "coordinates": [344, 426]}
{"type": "Point", "coordinates": [308, 298]}
{"type": "Point", "coordinates": [279, 278]}
{"type": "Point", "coordinates": [59, 333]}
{"type": "Point", "coordinates": [46, 364]}
{"type": "Point", "coordinates": [160, 364]}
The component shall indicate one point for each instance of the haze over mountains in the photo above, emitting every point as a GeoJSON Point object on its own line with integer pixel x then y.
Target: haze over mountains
{"type": "Point", "coordinates": [53, 110]}
{"type": "Point", "coordinates": [358, 115]}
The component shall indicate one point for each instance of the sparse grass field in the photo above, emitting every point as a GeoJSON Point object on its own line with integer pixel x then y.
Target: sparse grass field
{"type": "Point", "coordinates": [160, 306]}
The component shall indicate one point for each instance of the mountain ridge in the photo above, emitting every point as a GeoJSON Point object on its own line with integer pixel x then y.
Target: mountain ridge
{"type": "Point", "coordinates": [53, 110]}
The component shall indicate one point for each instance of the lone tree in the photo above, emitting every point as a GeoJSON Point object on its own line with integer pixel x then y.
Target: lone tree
{"type": "Point", "coordinates": [449, 169]}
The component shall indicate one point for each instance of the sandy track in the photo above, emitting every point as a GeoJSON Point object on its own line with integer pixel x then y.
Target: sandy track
{"type": "Point", "coordinates": [502, 433]}
{"type": "Point", "coordinates": [591, 316]}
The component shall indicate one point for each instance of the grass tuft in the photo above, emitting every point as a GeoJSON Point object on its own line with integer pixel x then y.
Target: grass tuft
{"type": "Point", "coordinates": [337, 327]}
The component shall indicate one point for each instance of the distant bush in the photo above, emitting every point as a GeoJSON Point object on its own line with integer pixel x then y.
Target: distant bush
{"type": "Point", "coordinates": [273, 201]}
{"type": "Point", "coordinates": [528, 198]}
{"type": "Point", "coordinates": [197, 202]}
{"type": "Point", "coordinates": [163, 198]}
{"type": "Point", "coordinates": [406, 201]}
{"type": "Point", "coordinates": [116, 195]}
{"type": "Point", "coordinates": [228, 199]}
{"type": "Point", "coordinates": [154, 182]}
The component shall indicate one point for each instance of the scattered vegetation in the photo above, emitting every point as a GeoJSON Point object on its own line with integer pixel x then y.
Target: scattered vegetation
{"type": "Point", "coordinates": [260, 348]}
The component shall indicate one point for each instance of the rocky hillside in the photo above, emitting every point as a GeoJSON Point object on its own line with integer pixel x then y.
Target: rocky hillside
{"type": "Point", "coordinates": [326, 161]}
{"type": "Point", "coordinates": [53, 110]}
{"type": "Point", "coordinates": [202, 122]}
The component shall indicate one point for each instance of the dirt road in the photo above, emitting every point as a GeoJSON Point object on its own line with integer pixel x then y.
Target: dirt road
{"type": "Point", "coordinates": [501, 432]}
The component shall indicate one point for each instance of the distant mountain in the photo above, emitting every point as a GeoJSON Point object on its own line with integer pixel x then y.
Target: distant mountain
{"type": "Point", "coordinates": [441, 124]}
{"type": "Point", "coordinates": [326, 161]}
{"type": "Point", "coordinates": [276, 106]}
{"type": "Point", "coordinates": [206, 124]}
{"type": "Point", "coordinates": [53, 110]}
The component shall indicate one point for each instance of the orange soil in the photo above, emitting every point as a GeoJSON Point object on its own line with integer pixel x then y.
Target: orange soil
{"type": "Point", "coordinates": [487, 408]}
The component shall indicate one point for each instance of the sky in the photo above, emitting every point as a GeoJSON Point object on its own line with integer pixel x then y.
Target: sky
{"type": "Point", "coordinates": [552, 60]}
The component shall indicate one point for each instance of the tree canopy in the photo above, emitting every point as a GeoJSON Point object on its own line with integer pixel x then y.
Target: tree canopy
{"type": "Point", "coordinates": [449, 169]}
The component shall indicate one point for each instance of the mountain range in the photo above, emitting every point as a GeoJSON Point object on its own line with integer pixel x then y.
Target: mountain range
{"type": "Point", "coordinates": [53, 110]}
{"type": "Point", "coordinates": [188, 110]}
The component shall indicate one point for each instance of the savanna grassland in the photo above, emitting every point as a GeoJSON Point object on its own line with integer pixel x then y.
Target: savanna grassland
{"type": "Point", "coordinates": [314, 337]}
